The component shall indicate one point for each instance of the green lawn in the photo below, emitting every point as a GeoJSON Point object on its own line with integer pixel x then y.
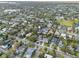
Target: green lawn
{"type": "Point", "coordinates": [67, 22]}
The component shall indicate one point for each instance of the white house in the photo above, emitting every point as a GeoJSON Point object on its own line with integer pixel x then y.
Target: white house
{"type": "Point", "coordinates": [63, 35]}
{"type": "Point", "coordinates": [29, 34]}
{"type": "Point", "coordinates": [57, 33]}
{"type": "Point", "coordinates": [48, 56]}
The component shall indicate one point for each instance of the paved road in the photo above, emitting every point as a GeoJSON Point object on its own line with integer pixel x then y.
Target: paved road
{"type": "Point", "coordinates": [4, 21]}
{"type": "Point", "coordinates": [37, 53]}
{"type": "Point", "coordinates": [65, 55]}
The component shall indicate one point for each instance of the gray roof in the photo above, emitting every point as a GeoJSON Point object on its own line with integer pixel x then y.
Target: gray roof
{"type": "Point", "coordinates": [55, 40]}
{"type": "Point", "coordinates": [77, 48]}
{"type": "Point", "coordinates": [30, 51]}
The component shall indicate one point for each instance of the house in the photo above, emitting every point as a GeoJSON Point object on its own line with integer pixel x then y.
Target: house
{"type": "Point", "coordinates": [57, 33]}
{"type": "Point", "coordinates": [48, 56]}
{"type": "Point", "coordinates": [11, 10]}
{"type": "Point", "coordinates": [39, 42]}
{"type": "Point", "coordinates": [7, 46]}
{"type": "Point", "coordinates": [59, 17]}
{"type": "Point", "coordinates": [50, 31]}
{"type": "Point", "coordinates": [63, 35]}
{"type": "Point", "coordinates": [76, 36]}
{"type": "Point", "coordinates": [45, 30]}
{"type": "Point", "coordinates": [20, 50]}
{"type": "Point", "coordinates": [29, 34]}
{"type": "Point", "coordinates": [45, 40]}
{"type": "Point", "coordinates": [39, 27]}
{"type": "Point", "coordinates": [49, 25]}
{"type": "Point", "coordinates": [77, 26]}
{"type": "Point", "coordinates": [62, 29]}
{"type": "Point", "coordinates": [40, 37]}
{"type": "Point", "coordinates": [14, 24]}
{"type": "Point", "coordinates": [70, 29]}
{"type": "Point", "coordinates": [29, 52]}
{"type": "Point", "coordinates": [77, 48]}
{"type": "Point", "coordinates": [2, 49]}
{"type": "Point", "coordinates": [70, 36]}
{"type": "Point", "coordinates": [60, 44]}
{"type": "Point", "coordinates": [41, 20]}
{"type": "Point", "coordinates": [70, 47]}
{"type": "Point", "coordinates": [4, 29]}
{"type": "Point", "coordinates": [55, 40]}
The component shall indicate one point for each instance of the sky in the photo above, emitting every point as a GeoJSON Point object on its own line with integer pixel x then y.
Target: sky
{"type": "Point", "coordinates": [39, 0]}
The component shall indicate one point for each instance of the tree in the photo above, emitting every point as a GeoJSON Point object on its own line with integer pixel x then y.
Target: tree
{"type": "Point", "coordinates": [74, 43]}
{"type": "Point", "coordinates": [31, 45]}
{"type": "Point", "coordinates": [77, 54]}
{"type": "Point", "coordinates": [42, 52]}
{"type": "Point", "coordinates": [3, 56]}
{"type": "Point", "coordinates": [1, 53]}
{"type": "Point", "coordinates": [32, 39]}
{"type": "Point", "coordinates": [63, 49]}
{"type": "Point", "coordinates": [46, 44]}
{"type": "Point", "coordinates": [61, 56]}
{"type": "Point", "coordinates": [52, 52]}
{"type": "Point", "coordinates": [65, 42]}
